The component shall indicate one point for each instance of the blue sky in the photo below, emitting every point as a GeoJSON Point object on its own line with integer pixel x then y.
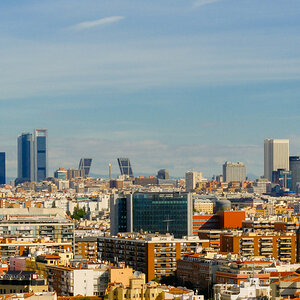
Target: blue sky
{"type": "Point", "coordinates": [182, 85]}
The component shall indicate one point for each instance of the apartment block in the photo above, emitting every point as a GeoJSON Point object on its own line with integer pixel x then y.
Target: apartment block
{"type": "Point", "coordinates": [84, 279]}
{"type": "Point", "coordinates": [52, 223]}
{"type": "Point", "coordinates": [154, 255]}
{"type": "Point", "coordinates": [238, 271]}
{"type": "Point", "coordinates": [24, 246]}
{"type": "Point", "coordinates": [86, 247]}
{"type": "Point", "coordinates": [280, 245]}
{"type": "Point", "coordinates": [198, 269]}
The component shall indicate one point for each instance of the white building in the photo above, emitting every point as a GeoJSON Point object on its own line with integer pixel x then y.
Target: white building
{"type": "Point", "coordinates": [249, 290]}
{"type": "Point", "coordinates": [234, 171]}
{"type": "Point", "coordinates": [191, 180]}
{"type": "Point", "coordinates": [261, 186]}
{"type": "Point", "coordinates": [86, 280]}
{"type": "Point", "coordinates": [276, 156]}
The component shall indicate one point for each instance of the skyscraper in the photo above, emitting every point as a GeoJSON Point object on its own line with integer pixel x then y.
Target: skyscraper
{"type": "Point", "coordinates": [2, 168]}
{"type": "Point", "coordinates": [191, 180]}
{"type": "Point", "coordinates": [163, 174]}
{"type": "Point", "coordinates": [85, 164]}
{"type": "Point", "coordinates": [125, 166]}
{"type": "Point", "coordinates": [295, 170]}
{"type": "Point", "coordinates": [234, 171]}
{"type": "Point", "coordinates": [276, 156]}
{"type": "Point", "coordinates": [40, 154]}
{"type": "Point", "coordinates": [33, 156]}
{"type": "Point", "coordinates": [25, 157]}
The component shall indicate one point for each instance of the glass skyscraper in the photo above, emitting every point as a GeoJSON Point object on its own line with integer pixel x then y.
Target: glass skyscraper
{"type": "Point", "coordinates": [2, 168]}
{"type": "Point", "coordinates": [25, 157]}
{"type": "Point", "coordinates": [125, 166]}
{"type": "Point", "coordinates": [33, 156]}
{"type": "Point", "coordinates": [85, 164]}
{"type": "Point", "coordinates": [40, 154]}
{"type": "Point", "coordinates": [295, 170]}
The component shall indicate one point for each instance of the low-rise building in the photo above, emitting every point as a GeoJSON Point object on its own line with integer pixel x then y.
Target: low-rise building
{"type": "Point", "coordinates": [238, 271]}
{"type": "Point", "coordinates": [22, 282]}
{"type": "Point", "coordinates": [250, 289]}
{"type": "Point", "coordinates": [86, 279]}
{"type": "Point", "coordinates": [139, 290]}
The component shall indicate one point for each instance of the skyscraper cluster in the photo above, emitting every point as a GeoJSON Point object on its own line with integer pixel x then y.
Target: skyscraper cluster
{"type": "Point", "coordinates": [33, 156]}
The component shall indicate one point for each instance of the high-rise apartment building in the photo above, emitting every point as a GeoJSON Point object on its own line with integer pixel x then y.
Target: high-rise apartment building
{"type": "Point", "coordinates": [85, 164]}
{"type": "Point", "coordinates": [2, 168]}
{"type": "Point", "coordinates": [168, 212]}
{"type": "Point", "coordinates": [125, 166]}
{"type": "Point", "coordinates": [234, 171]}
{"type": "Point", "coordinates": [191, 180]}
{"type": "Point", "coordinates": [276, 156]}
{"type": "Point", "coordinates": [295, 170]}
{"type": "Point", "coordinates": [33, 156]}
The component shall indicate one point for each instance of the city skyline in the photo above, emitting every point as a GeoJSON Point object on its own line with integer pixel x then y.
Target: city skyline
{"type": "Point", "coordinates": [116, 168]}
{"type": "Point", "coordinates": [176, 85]}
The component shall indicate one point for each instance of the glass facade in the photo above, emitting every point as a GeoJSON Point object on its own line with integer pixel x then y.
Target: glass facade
{"type": "Point", "coordinates": [25, 157]}
{"type": "Point", "coordinates": [125, 167]}
{"type": "Point", "coordinates": [161, 212]}
{"type": "Point", "coordinates": [41, 163]}
{"type": "Point", "coordinates": [32, 156]}
{"type": "Point", "coordinates": [295, 170]}
{"type": "Point", "coordinates": [2, 168]}
{"type": "Point", "coordinates": [85, 164]}
{"type": "Point", "coordinates": [122, 215]}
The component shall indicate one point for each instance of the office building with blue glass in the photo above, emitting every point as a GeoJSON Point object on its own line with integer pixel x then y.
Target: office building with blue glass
{"type": "Point", "coordinates": [152, 212]}
{"type": "Point", "coordinates": [85, 164]}
{"type": "Point", "coordinates": [2, 168]}
{"type": "Point", "coordinates": [25, 157]}
{"type": "Point", "coordinates": [33, 156]}
{"type": "Point", "coordinates": [295, 170]}
{"type": "Point", "coordinates": [125, 167]}
{"type": "Point", "coordinates": [40, 154]}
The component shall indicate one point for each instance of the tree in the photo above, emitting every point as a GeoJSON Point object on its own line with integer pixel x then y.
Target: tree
{"type": "Point", "coordinates": [78, 213]}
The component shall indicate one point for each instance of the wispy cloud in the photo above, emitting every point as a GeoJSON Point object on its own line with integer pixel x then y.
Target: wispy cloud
{"type": "Point", "coordinates": [99, 22]}
{"type": "Point", "coordinates": [199, 3]}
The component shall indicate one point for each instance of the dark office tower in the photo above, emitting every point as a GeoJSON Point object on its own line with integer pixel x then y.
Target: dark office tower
{"type": "Point", "coordinates": [25, 157]}
{"type": "Point", "coordinates": [163, 174]}
{"type": "Point", "coordinates": [152, 212]}
{"type": "Point", "coordinates": [85, 164]}
{"type": "Point", "coordinates": [125, 166]}
{"type": "Point", "coordinates": [295, 170]}
{"type": "Point", "coordinates": [2, 168]}
{"type": "Point", "coordinates": [40, 154]}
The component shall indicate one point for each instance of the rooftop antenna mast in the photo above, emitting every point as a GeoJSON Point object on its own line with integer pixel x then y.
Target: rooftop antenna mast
{"type": "Point", "coordinates": [168, 223]}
